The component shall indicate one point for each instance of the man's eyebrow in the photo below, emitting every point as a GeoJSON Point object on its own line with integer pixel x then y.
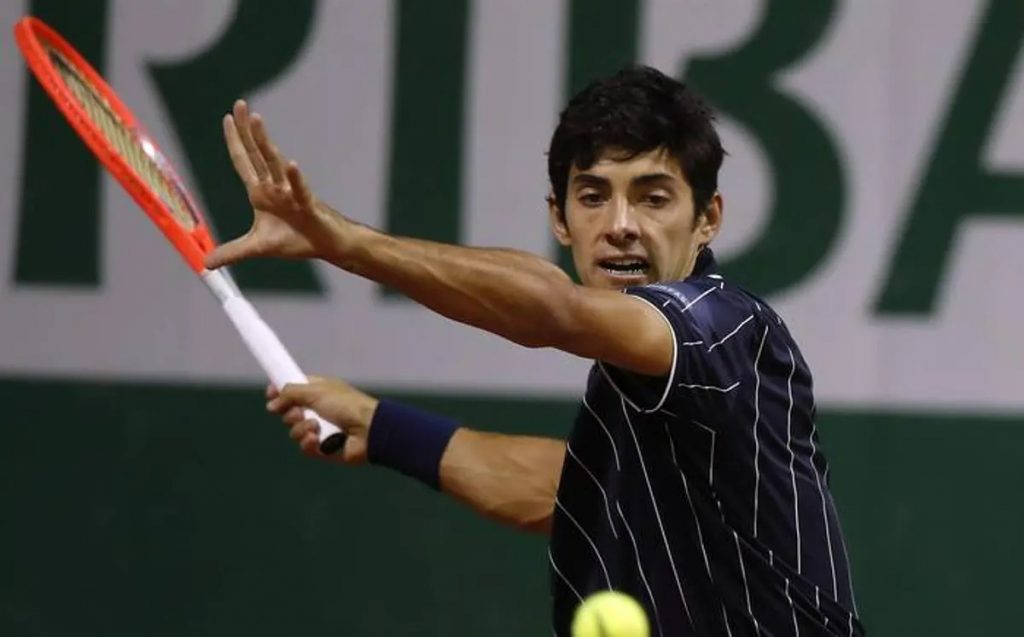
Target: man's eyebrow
{"type": "Point", "coordinates": [648, 179]}
{"type": "Point", "coordinates": [652, 179]}
{"type": "Point", "coordinates": [589, 179]}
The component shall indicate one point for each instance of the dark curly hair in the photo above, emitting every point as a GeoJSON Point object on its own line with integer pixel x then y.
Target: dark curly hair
{"type": "Point", "coordinates": [637, 110]}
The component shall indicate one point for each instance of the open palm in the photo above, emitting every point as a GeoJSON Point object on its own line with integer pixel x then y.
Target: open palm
{"type": "Point", "coordinates": [287, 223]}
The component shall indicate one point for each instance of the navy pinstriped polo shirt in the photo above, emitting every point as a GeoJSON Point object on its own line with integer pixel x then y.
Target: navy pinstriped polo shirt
{"type": "Point", "coordinates": [705, 495]}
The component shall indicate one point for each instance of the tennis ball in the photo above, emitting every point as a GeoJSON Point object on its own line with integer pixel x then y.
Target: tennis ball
{"type": "Point", "coordinates": [610, 614]}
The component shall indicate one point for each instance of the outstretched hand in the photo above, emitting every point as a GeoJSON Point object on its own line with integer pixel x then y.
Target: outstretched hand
{"type": "Point", "coordinates": [287, 222]}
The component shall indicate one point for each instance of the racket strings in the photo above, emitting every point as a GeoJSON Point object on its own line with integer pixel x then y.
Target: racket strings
{"type": "Point", "coordinates": [124, 140]}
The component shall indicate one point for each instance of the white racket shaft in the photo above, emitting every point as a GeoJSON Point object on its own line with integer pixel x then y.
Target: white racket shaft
{"type": "Point", "coordinates": [267, 348]}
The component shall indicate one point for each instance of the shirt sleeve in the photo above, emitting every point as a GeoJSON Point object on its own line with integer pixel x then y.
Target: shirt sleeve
{"type": "Point", "coordinates": [714, 332]}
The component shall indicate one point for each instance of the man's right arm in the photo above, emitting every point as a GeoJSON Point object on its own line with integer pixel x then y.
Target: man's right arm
{"type": "Point", "coordinates": [509, 479]}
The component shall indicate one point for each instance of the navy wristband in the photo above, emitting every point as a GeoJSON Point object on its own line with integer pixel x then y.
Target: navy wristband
{"type": "Point", "coordinates": [409, 440]}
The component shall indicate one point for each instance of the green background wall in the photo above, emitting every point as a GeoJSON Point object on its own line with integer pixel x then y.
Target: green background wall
{"type": "Point", "coordinates": [178, 510]}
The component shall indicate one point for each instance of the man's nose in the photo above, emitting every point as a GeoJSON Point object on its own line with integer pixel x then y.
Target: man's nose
{"type": "Point", "coordinates": [622, 226]}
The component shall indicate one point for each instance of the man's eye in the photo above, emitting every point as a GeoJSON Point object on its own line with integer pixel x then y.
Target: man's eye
{"type": "Point", "coordinates": [591, 199]}
{"type": "Point", "coordinates": [656, 201]}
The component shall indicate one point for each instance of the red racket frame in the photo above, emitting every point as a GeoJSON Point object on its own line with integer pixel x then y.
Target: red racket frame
{"type": "Point", "coordinates": [33, 36]}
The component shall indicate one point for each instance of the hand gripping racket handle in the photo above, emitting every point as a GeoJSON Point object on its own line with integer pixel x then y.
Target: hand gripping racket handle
{"type": "Point", "coordinates": [268, 350]}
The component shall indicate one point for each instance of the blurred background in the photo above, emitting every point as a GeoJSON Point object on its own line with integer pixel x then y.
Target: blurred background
{"type": "Point", "coordinates": [874, 193]}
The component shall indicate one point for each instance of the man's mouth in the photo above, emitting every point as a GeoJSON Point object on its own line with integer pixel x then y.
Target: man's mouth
{"type": "Point", "coordinates": [625, 267]}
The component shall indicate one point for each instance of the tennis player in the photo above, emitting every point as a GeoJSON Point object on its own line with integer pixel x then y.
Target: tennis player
{"type": "Point", "coordinates": [693, 478]}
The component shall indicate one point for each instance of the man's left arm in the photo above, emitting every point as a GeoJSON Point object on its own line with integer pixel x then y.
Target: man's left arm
{"type": "Point", "coordinates": [514, 294]}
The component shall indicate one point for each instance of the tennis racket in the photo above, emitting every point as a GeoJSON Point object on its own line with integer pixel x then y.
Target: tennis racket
{"type": "Point", "coordinates": [112, 133]}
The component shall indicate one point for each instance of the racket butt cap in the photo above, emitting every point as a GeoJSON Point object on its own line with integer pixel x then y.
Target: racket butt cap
{"type": "Point", "coordinates": [333, 443]}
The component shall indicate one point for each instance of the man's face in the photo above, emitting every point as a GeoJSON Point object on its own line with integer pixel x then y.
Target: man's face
{"type": "Point", "coordinates": [631, 221]}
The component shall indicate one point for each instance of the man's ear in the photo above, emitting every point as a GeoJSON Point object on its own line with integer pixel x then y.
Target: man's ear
{"type": "Point", "coordinates": [709, 222]}
{"type": "Point", "coordinates": [559, 228]}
